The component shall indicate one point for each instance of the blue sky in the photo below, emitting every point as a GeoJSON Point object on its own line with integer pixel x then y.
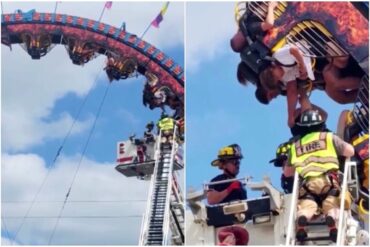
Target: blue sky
{"type": "Point", "coordinates": [39, 101]}
{"type": "Point", "coordinates": [221, 112]}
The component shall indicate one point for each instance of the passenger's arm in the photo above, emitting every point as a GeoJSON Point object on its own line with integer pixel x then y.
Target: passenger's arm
{"type": "Point", "coordinates": [269, 21]}
{"type": "Point", "coordinates": [296, 53]}
{"type": "Point", "coordinates": [292, 99]}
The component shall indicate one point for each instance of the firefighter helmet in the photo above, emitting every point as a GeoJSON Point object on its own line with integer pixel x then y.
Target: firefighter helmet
{"type": "Point", "coordinates": [310, 118]}
{"type": "Point", "coordinates": [150, 125]}
{"type": "Point", "coordinates": [230, 152]}
{"type": "Point", "coordinates": [281, 154]}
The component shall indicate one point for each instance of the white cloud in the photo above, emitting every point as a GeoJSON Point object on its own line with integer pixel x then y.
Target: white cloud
{"type": "Point", "coordinates": [209, 28]}
{"type": "Point", "coordinates": [6, 241]}
{"type": "Point", "coordinates": [22, 175]}
{"type": "Point", "coordinates": [21, 131]}
{"type": "Point", "coordinates": [28, 99]}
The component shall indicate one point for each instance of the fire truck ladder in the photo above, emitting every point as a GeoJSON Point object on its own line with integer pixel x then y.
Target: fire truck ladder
{"type": "Point", "coordinates": [156, 221]}
{"type": "Point", "coordinates": [177, 214]}
{"type": "Point", "coordinates": [317, 230]}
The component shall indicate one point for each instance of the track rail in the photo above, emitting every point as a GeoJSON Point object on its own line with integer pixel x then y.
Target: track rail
{"type": "Point", "coordinates": [109, 38]}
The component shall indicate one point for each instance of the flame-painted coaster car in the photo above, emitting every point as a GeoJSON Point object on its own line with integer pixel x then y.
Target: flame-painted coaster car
{"type": "Point", "coordinates": [36, 45]}
{"type": "Point", "coordinates": [80, 51]}
{"type": "Point", "coordinates": [158, 94]}
{"type": "Point", "coordinates": [322, 31]}
{"type": "Point", "coordinates": [120, 68]}
{"type": "Point", "coordinates": [135, 158]}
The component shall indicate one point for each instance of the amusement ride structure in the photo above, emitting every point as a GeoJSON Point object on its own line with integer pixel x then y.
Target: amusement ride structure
{"type": "Point", "coordinates": [127, 56]}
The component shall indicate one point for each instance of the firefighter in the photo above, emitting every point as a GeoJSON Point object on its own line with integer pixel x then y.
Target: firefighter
{"type": "Point", "coordinates": [148, 135]}
{"type": "Point", "coordinates": [166, 124]}
{"type": "Point", "coordinates": [228, 160]}
{"type": "Point", "coordinates": [281, 160]}
{"type": "Point", "coordinates": [315, 158]}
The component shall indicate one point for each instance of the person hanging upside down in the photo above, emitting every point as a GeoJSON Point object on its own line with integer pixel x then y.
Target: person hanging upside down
{"type": "Point", "coordinates": [342, 79]}
{"type": "Point", "coordinates": [252, 28]}
{"type": "Point", "coordinates": [250, 25]}
{"type": "Point", "coordinates": [290, 73]}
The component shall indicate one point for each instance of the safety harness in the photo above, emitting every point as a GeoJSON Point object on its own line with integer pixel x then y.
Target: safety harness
{"type": "Point", "coordinates": [333, 190]}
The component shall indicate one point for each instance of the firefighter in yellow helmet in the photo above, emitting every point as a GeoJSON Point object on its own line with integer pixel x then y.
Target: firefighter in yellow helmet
{"type": "Point", "coordinates": [228, 161]}
{"type": "Point", "coordinates": [315, 157]}
{"type": "Point", "coordinates": [281, 160]}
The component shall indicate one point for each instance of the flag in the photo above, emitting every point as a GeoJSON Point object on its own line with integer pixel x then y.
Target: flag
{"type": "Point", "coordinates": [159, 17]}
{"type": "Point", "coordinates": [108, 4]}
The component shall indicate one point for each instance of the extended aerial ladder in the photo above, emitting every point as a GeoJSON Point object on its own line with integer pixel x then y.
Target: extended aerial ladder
{"type": "Point", "coordinates": [163, 222]}
{"type": "Point", "coordinates": [177, 213]}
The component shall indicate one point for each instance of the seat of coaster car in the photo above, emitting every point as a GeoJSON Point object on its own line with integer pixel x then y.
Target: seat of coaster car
{"type": "Point", "coordinates": [217, 218]}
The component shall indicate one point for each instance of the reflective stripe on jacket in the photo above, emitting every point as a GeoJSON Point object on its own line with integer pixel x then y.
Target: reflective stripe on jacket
{"type": "Point", "coordinates": [314, 154]}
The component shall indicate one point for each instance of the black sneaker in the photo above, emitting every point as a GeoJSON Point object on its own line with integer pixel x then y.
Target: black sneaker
{"type": "Point", "coordinates": [333, 234]}
{"type": "Point", "coordinates": [301, 234]}
{"type": "Point", "coordinates": [302, 221]}
{"type": "Point", "coordinates": [333, 231]}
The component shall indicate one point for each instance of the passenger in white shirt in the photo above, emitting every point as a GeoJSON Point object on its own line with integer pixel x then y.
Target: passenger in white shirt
{"type": "Point", "coordinates": [283, 75]}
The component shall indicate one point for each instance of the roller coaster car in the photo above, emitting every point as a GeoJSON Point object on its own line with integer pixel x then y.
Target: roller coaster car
{"type": "Point", "coordinates": [80, 52]}
{"type": "Point", "coordinates": [151, 79]}
{"type": "Point", "coordinates": [322, 31]}
{"type": "Point", "coordinates": [158, 96]}
{"type": "Point", "coordinates": [36, 46]}
{"type": "Point", "coordinates": [120, 68]}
